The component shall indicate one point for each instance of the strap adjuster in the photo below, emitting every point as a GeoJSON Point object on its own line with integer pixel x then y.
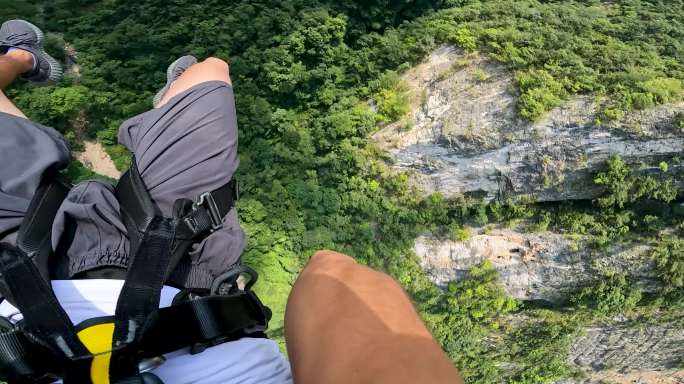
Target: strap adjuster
{"type": "Point", "coordinates": [206, 200]}
{"type": "Point", "coordinates": [236, 190]}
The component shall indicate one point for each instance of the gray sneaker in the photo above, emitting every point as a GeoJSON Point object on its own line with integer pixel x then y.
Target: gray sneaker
{"type": "Point", "coordinates": [172, 73]}
{"type": "Point", "coordinates": [24, 35]}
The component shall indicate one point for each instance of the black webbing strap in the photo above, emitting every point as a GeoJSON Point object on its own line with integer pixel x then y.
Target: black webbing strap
{"type": "Point", "coordinates": [26, 283]}
{"type": "Point", "coordinates": [205, 322]}
{"type": "Point", "coordinates": [199, 323]}
{"type": "Point", "coordinates": [144, 378]}
{"type": "Point", "coordinates": [192, 220]}
{"type": "Point", "coordinates": [34, 236]}
{"type": "Point", "coordinates": [140, 294]}
{"type": "Point", "coordinates": [43, 315]}
{"type": "Point", "coordinates": [23, 360]}
{"type": "Point", "coordinates": [25, 272]}
{"type": "Point", "coordinates": [36, 229]}
{"type": "Point", "coordinates": [201, 217]}
{"type": "Point", "coordinates": [157, 245]}
{"type": "Point", "coordinates": [137, 207]}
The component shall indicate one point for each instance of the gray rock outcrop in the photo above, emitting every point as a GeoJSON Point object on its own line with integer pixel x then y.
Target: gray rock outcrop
{"type": "Point", "coordinates": [531, 266]}
{"type": "Point", "coordinates": [463, 136]}
{"type": "Point", "coordinates": [621, 352]}
{"type": "Point", "coordinates": [546, 267]}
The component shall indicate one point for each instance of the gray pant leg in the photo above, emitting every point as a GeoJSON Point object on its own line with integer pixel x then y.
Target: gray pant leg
{"type": "Point", "coordinates": [185, 148]}
{"type": "Point", "coordinates": [27, 151]}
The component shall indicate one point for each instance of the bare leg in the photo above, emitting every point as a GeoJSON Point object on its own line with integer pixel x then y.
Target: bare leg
{"type": "Point", "coordinates": [12, 65]}
{"type": "Point", "coordinates": [211, 69]}
{"type": "Point", "coordinates": [346, 323]}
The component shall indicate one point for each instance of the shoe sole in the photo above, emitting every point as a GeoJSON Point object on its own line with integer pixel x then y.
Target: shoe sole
{"type": "Point", "coordinates": [55, 68]}
{"type": "Point", "coordinates": [169, 80]}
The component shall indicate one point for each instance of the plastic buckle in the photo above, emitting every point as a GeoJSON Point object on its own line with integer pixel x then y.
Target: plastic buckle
{"type": "Point", "coordinates": [259, 308]}
{"type": "Point", "coordinates": [207, 201]}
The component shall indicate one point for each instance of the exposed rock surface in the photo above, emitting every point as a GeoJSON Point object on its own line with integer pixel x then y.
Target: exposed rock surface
{"type": "Point", "coordinates": [624, 353]}
{"type": "Point", "coordinates": [464, 136]}
{"type": "Point", "coordinates": [546, 267]}
{"type": "Point", "coordinates": [637, 377]}
{"type": "Point", "coordinates": [531, 266]}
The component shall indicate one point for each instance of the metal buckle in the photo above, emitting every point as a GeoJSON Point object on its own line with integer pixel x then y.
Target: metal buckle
{"type": "Point", "coordinates": [233, 274]}
{"type": "Point", "coordinates": [236, 190]}
{"type": "Point", "coordinates": [148, 365]}
{"type": "Point", "coordinates": [207, 201]}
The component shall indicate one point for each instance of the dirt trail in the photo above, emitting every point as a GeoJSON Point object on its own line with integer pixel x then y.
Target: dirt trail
{"type": "Point", "coordinates": [96, 158]}
{"type": "Point", "coordinates": [93, 155]}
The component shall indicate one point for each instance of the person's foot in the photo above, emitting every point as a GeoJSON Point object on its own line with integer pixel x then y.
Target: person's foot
{"type": "Point", "coordinates": [174, 71]}
{"type": "Point", "coordinates": [25, 36]}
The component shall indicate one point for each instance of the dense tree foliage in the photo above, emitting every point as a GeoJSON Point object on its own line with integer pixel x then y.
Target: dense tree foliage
{"type": "Point", "coordinates": [313, 78]}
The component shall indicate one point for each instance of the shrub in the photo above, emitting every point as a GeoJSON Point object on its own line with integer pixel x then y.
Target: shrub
{"type": "Point", "coordinates": [612, 114]}
{"type": "Point", "coordinates": [480, 75]}
{"type": "Point", "coordinates": [668, 255]}
{"type": "Point", "coordinates": [663, 167]}
{"type": "Point", "coordinates": [542, 348]}
{"type": "Point", "coordinates": [623, 186]}
{"type": "Point", "coordinates": [679, 120]}
{"type": "Point", "coordinates": [464, 39]}
{"type": "Point", "coordinates": [480, 296]}
{"type": "Point", "coordinates": [392, 105]}
{"type": "Point", "coordinates": [613, 294]}
{"type": "Point", "coordinates": [458, 233]}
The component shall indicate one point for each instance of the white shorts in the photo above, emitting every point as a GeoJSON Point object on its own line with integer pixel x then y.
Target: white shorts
{"type": "Point", "coordinates": [247, 361]}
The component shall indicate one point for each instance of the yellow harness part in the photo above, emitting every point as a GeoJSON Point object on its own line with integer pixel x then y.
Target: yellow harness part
{"type": "Point", "coordinates": [98, 339]}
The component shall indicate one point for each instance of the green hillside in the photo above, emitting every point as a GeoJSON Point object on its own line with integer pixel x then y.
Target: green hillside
{"type": "Point", "coordinates": [304, 72]}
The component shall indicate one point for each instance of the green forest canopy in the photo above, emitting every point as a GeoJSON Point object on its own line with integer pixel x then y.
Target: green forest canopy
{"type": "Point", "coordinates": [303, 71]}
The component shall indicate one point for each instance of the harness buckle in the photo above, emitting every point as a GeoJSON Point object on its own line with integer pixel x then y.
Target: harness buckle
{"type": "Point", "coordinates": [236, 189]}
{"type": "Point", "coordinates": [148, 365]}
{"type": "Point", "coordinates": [230, 278]}
{"type": "Point", "coordinates": [206, 200]}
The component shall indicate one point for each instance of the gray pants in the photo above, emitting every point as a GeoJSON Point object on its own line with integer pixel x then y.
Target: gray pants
{"type": "Point", "coordinates": [183, 149]}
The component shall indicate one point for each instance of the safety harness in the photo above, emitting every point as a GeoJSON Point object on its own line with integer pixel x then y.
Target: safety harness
{"type": "Point", "coordinates": [45, 346]}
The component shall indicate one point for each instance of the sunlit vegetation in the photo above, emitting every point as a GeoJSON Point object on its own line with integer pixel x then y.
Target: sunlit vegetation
{"type": "Point", "coordinates": [314, 78]}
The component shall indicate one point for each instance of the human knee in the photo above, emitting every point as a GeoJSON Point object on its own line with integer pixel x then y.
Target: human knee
{"type": "Point", "coordinates": [329, 261]}
{"type": "Point", "coordinates": [216, 64]}
{"type": "Point", "coordinates": [210, 69]}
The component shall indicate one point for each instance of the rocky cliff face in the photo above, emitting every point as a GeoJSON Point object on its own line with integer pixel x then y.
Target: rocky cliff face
{"type": "Point", "coordinates": [545, 267]}
{"type": "Point", "coordinates": [464, 136]}
{"type": "Point", "coordinates": [621, 352]}
{"type": "Point", "coordinates": [531, 266]}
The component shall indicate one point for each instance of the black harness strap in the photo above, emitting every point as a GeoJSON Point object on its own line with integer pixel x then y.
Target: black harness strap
{"type": "Point", "coordinates": [192, 220]}
{"type": "Point", "coordinates": [46, 345]}
{"type": "Point", "coordinates": [140, 294]}
{"type": "Point", "coordinates": [26, 283]}
{"type": "Point", "coordinates": [34, 237]}
{"type": "Point", "coordinates": [33, 296]}
{"type": "Point", "coordinates": [205, 322]}
{"type": "Point", "coordinates": [43, 315]}
{"type": "Point", "coordinates": [206, 214]}
{"type": "Point", "coordinates": [157, 244]}
{"type": "Point", "coordinates": [23, 360]}
{"type": "Point", "coordinates": [25, 272]}
{"type": "Point", "coordinates": [137, 208]}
